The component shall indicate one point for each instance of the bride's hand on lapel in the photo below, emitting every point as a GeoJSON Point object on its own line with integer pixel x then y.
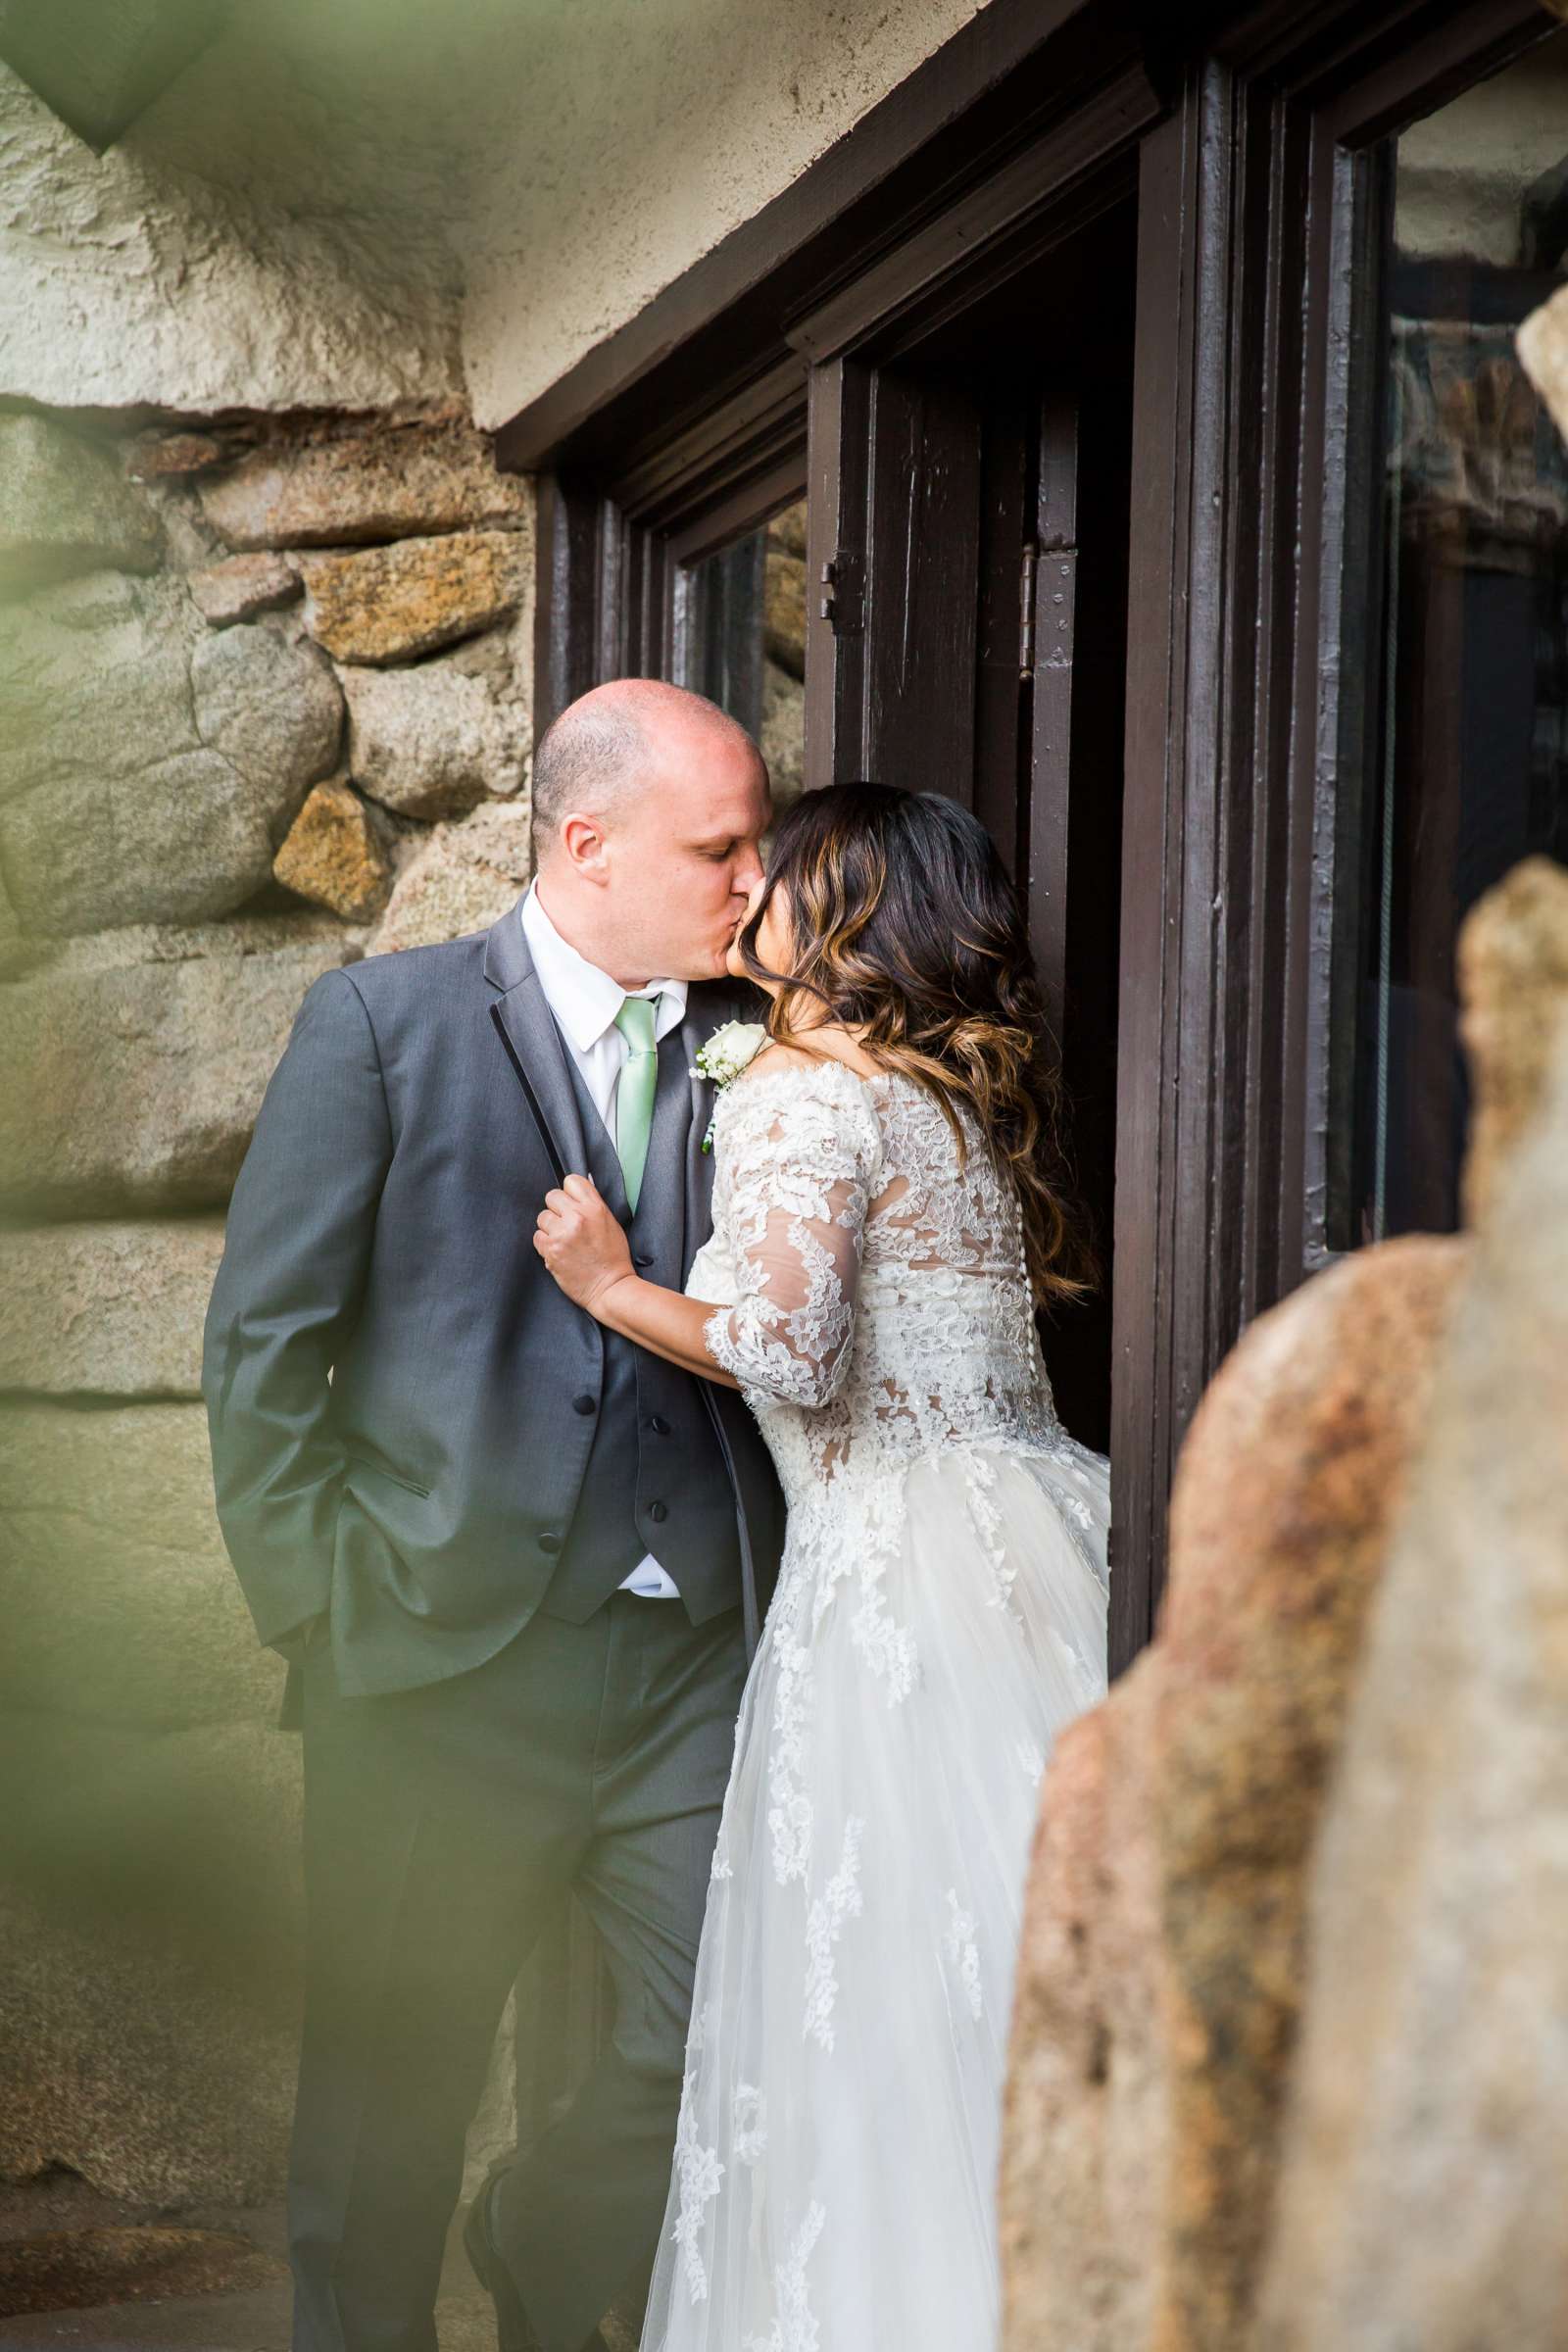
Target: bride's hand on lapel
{"type": "Point", "coordinates": [587, 1251]}
{"type": "Point", "coordinates": [583, 1244]}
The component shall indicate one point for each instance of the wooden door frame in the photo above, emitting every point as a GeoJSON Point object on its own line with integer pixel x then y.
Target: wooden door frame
{"type": "Point", "coordinates": [1250, 128]}
{"type": "Point", "coordinates": [1247, 330]}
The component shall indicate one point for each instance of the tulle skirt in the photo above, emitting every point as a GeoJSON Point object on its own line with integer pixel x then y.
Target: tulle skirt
{"type": "Point", "coordinates": [834, 2181]}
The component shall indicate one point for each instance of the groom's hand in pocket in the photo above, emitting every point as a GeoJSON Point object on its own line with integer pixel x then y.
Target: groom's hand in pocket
{"type": "Point", "coordinates": [298, 1642]}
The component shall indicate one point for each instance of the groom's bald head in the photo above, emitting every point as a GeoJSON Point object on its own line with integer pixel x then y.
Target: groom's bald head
{"type": "Point", "coordinates": [648, 806]}
{"type": "Point", "coordinates": [621, 738]}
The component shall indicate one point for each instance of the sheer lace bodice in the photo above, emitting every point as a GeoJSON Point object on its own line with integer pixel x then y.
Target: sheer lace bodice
{"type": "Point", "coordinates": [873, 1301]}
{"type": "Point", "coordinates": [940, 1614]}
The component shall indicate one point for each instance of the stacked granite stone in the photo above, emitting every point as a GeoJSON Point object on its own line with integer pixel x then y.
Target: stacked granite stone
{"type": "Point", "coordinates": [266, 708]}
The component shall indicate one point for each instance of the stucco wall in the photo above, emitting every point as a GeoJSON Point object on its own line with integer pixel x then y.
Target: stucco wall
{"type": "Point", "coordinates": [654, 130]}
{"type": "Point", "coordinates": [360, 206]}
{"type": "Point", "coordinates": [263, 237]}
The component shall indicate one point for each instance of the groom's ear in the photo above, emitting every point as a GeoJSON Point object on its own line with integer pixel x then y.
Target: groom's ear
{"type": "Point", "coordinates": [582, 842]}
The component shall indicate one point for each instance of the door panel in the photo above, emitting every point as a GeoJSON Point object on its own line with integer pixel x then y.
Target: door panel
{"type": "Point", "coordinates": [922, 566]}
{"type": "Point", "coordinates": [964, 641]}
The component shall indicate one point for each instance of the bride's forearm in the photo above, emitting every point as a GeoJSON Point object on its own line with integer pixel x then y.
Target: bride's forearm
{"type": "Point", "coordinates": [665, 1322]}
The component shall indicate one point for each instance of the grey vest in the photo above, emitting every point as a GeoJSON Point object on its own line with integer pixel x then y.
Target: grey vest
{"type": "Point", "coordinates": [656, 1479]}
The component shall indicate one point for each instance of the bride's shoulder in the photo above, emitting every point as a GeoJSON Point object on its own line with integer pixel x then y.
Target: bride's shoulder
{"type": "Point", "coordinates": [785, 1090]}
{"type": "Point", "coordinates": [776, 1064]}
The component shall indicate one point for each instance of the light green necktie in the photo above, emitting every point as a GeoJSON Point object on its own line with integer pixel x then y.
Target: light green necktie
{"type": "Point", "coordinates": [634, 1096]}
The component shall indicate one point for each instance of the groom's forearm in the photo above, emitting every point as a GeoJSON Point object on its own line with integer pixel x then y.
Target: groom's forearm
{"type": "Point", "coordinates": [665, 1322]}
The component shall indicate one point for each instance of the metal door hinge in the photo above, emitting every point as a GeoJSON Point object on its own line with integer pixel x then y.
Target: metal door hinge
{"type": "Point", "coordinates": [842, 603]}
{"type": "Point", "coordinates": [1028, 569]}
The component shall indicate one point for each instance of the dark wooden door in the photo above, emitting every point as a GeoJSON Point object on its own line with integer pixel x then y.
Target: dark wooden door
{"type": "Point", "coordinates": [968, 558]}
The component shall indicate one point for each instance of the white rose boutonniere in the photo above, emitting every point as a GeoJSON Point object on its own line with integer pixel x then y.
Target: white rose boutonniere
{"type": "Point", "coordinates": [723, 1057]}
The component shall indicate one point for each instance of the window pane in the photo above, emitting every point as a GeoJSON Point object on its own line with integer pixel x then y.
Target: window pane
{"type": "Point", "coordinates": [1463, 604]}
{"type": "Point", "coordinates": [748, 654]}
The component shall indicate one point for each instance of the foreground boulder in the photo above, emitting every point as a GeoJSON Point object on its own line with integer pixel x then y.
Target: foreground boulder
{"type": "Point", "coordinates": [1184, 1931]}
{"type": "Point", "coordinates": [1357, 2137]}
{"type": "Point", "coordinates": [1422, 2198]}
{"type": "Point", "coordinates": [1085, 2135]}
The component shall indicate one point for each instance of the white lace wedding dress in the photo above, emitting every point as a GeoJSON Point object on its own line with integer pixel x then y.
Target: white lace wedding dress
{"type": "Point", "coordinates": [939, 1616]}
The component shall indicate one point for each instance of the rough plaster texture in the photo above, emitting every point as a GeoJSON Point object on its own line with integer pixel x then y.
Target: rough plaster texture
{"type": "Point", "coordinates": [260, 238]}
{"type": "Point", "coordinates": [356, 205]}
{"type": "Point", "coordinates": [652, 132]}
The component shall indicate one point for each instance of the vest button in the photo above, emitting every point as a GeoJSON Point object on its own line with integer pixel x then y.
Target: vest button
{"type": "Point", "coordinates": [659, 1426]}
{"type": "Point", "coordinates": [584, 1406]}
{"type": "Point", "coordinates": [640, 1257]}
{"type": "Point", "coordinates": [549, 1543]}
{"type": "Point", "coordinates": [658, 1512]}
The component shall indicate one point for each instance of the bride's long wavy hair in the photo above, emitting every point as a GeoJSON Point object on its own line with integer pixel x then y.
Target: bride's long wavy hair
{"type": "Point", "coordinates": [907, 929]}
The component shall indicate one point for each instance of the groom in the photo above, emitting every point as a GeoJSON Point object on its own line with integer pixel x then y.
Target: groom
{"type": "Point", "coordinates": [518, 1565]}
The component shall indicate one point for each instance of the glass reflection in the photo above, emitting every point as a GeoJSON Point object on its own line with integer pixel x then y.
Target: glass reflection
{"type": "Point", "coordinates": [747, 624]}
{"type": "Point", "coordinates": [1464, 755]}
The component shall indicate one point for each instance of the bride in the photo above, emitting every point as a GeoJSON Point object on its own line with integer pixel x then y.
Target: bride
{"type": "Point", "coordinates": [885, 1224]}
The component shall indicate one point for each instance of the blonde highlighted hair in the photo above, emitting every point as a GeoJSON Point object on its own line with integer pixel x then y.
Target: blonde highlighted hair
{"type": "Point", "coordinates": [907, 930]}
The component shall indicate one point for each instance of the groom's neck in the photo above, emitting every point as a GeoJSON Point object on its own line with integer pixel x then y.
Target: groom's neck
{"type": "Point", "coordinates": [579, 925]}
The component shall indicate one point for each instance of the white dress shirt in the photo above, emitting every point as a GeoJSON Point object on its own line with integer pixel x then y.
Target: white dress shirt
{"type": "Point", "coordinates": [585, 1001]}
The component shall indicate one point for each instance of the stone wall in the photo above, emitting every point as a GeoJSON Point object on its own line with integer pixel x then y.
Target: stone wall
{"type": "Point", "coordinates": [266, 694]}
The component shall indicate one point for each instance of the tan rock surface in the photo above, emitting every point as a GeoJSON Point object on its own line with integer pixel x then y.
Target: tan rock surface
{"type": "Point", "coordinates": [107, 1309]}
{"type": "Point", "coordinates": [120, 1600]}
{"type": "Point", "coordinates": [63, 508]}
{"type": "Point", "coordinates": [464, 879]}
{"type": "Point", "coordinates": [410, 480]}
{"type": "Point", "coordinates": [156, 456]}
{"type": "Point", "coordinates": [1163, 1953]}
{"type": "Point", "coordinates": [783, 736]}
{"type": "Point", "coordinates": [435, 740]}
{"type": "Point", "coordinates": [1290, 1480]}
{"type": "Point", "coordinates": [1422, 2197]}
{"type": "Point", "coordinates": [335, 856]}
{"type": "Point", "coordinates": [241, 586]}
{"type": "Point", "coordinates": [132, 1065]}
{"type": "Point", "coordinates": [784, 611]}
{"type": "Point", "coordinates": [387, 604]}
{"type": "Point", "coordinates": [1513, 981]}
{"type": "Point", "coordinates": [787, 530]}
{"type": "Point", "coordinates": [1086, 2131]}
{"type": "Point", "coordinates": [76, 2270]}
{"type": "Point", "coordinates": [149, 766]}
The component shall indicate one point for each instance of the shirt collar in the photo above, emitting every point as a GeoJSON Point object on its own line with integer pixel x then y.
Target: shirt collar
{"type": "Point", "coordinates": [583, 998]}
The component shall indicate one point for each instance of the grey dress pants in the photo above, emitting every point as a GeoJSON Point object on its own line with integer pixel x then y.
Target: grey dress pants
{"type": "Point", "coordinates": [444, 1828]}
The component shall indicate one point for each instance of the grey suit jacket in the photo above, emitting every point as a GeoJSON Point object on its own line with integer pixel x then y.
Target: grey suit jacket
{"type": "Point", "coordinates": [389, 1369]}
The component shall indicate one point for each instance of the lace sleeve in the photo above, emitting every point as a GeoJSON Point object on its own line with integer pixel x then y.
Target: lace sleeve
{"type": "Point", "coordinates": [796, 1165]}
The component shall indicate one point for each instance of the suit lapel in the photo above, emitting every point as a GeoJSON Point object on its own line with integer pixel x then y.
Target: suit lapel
{"type": "Point", "coordinates": [534, 1044]}
{"type": "Point", "coordinates": [682, 1106]}
{"type": "Point", "coordinates": [702, 1017]}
